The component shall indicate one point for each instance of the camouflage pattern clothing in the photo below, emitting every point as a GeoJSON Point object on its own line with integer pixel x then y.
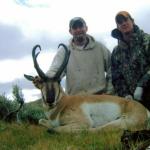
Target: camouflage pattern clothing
{"type": "Point", "coordinates": [130, 62]}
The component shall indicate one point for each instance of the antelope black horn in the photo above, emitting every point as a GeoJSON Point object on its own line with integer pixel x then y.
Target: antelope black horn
{"type": "Point", "coordinates": [36, 65]}
{"type": "Point", "coordinates": [65, 61]}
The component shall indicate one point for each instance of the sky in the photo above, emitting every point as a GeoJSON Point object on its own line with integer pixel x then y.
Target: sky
{"type": "Point", "coordinates": [25, 23]}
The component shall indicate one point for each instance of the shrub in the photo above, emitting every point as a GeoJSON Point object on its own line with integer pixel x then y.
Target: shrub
{"type": "Point", "coordinates": [31, 113]}
{"type": "Point", "coordinates": [6, 106]}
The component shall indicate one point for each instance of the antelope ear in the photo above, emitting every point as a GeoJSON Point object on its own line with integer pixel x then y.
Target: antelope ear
{"type": "Point", "coordinates": [28, 77]}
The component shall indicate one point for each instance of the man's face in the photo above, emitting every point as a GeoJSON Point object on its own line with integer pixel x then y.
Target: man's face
{"type": "Point", "coordinates": [78, 31]}
{"type": "Point", "coordinates": [125, 25]}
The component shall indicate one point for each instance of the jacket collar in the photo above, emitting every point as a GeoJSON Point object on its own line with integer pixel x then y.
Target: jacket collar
{"type": "Point", "coordinates": [135, 38]}
{"type": "Point", "coordinates": [89, 45]}
{"type": "Point", "coordinates": [118, 35]}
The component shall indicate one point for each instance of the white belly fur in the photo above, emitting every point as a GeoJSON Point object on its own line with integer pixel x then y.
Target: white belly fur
{"type": "Point", "coordinates": [101, 113]}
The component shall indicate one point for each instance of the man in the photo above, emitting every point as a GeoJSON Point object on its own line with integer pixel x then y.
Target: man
{"type": "Point", "coordinates": [88, 69]}
{"type": "Point", "coordinates": [130, 59]}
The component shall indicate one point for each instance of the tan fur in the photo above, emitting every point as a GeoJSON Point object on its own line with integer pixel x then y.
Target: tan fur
{"type": "Point", "coordinates": [68, 115]}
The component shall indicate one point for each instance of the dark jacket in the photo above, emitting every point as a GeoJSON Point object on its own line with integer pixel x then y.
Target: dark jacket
{"type": "Point", "coordinates": [130, 62]}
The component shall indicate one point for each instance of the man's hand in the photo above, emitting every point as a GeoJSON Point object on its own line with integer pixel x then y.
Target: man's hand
{"type": "Point", "coordinates": [38, 82]}
{"type": "Point", "coordinates": [138, 93]}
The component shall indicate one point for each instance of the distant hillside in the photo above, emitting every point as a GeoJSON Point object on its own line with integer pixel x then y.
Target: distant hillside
{"type": "Point", "coordinates": [37, 102]}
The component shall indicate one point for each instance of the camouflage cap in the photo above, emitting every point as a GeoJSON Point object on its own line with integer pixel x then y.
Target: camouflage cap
{"type": "Point", "coordinates": [76, 21]}
{"type": "Point", "coordinates": [122, 14]}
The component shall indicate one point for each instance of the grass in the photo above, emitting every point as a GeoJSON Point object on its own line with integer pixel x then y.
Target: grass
{"type": "Point", "coordinates": [33, 137]}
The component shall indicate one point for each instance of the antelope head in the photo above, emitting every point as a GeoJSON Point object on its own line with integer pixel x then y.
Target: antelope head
{"type": "Point", "coordinates": [51, 91]}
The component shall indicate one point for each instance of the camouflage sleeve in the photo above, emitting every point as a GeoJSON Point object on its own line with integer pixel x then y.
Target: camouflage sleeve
{"type": "Point", "coordinates": [144, 80]}
{"type": "Point", "coordinates": [146, 50]}
{"type": "Point", "coordinates": [117, 78]}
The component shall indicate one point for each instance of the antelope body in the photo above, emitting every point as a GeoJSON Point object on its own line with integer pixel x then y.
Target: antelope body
{"type": "Point", "coordinates": [79, 112]}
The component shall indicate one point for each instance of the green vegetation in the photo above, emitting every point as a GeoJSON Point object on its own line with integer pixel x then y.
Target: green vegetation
{"type": "Point", "coordinates": [33, 137]}
{"type": "Point", "coordinates": [17, 110]}
{"type": "Point", "coordinates": [17, 94]}
{"type": "Point", "coordinates": [6, 106]}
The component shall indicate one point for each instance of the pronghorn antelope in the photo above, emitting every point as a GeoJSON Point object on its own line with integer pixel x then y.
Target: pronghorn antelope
{"type": "Point", "coordinates": [77, 112]}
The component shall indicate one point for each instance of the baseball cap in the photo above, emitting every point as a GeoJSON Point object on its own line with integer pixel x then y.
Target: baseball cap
{"type": "Point", "coordinates": [122, 15]}
{"type": "Point", "coordinates": [76, 22]}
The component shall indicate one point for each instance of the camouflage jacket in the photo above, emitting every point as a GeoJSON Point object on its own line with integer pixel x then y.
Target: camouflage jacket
{"type": "Point", "coordinates": [130, 62]}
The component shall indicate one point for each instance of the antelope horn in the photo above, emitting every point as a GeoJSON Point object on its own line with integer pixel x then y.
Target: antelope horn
{"type": "Point", "coordinates": [36, 65]}
{"type": "Point", "coordinates": [65, 61]}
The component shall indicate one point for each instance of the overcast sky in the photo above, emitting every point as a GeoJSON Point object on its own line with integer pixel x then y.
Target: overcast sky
{"type": "Point", "coordinates": [24, 23]}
